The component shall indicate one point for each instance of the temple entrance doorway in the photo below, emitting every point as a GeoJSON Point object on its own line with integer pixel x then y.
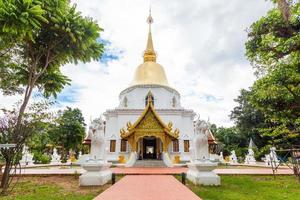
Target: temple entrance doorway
{"type": "Point", "coordinates": [150, 148]}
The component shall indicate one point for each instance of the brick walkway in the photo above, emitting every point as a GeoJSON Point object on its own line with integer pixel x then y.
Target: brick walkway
{"type": "Point", "coordinates": [154, 171]}
{"type": "Point", "coordinates": [148, 187]}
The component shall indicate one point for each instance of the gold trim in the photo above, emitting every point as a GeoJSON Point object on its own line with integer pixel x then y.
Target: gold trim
{"type": "Point", "coordinates": [149, 124]}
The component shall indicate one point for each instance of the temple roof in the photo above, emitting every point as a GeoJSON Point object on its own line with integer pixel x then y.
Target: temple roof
{"type": "Point", "coordinates": [149, 120]}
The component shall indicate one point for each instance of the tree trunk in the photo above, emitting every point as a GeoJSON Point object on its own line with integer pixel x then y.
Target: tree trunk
{"type": "Point", "coordinates": [284, 7]}
{"type": "Point", "coordinates": [5, 177]}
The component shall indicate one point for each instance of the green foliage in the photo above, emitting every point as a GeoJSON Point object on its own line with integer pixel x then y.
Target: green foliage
{"type": "Point", "coordinates": [249, 121]}
{"type": "Point", "coordinates": [272, 41]}
{"type": "Point", "coordinates": [277, 95]}
{"type": "Point", "coordinates": [41, 158]}
{"type": "Point", "coordinates": [273, 48]}
{"type": "Point", "coordinates": [231, 139]}
{"type": "Point", "coordinates": [20, 18]}
{"type": "Point", "coordinates": [69, 129]}
{"type": "Point", "coordinates": [37, 37]}
{"type": "Point", "coordinates": [50, 33]}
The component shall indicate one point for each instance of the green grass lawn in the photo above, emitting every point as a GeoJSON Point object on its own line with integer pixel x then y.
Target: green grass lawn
{"type": "Point", "coordinates": [53, 188]}
{"type": "Point", "coordinates": [239, 187]}
{"type": "Point", "coordinates": [242, 187]}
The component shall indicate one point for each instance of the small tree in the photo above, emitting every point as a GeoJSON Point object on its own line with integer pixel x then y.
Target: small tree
{"type": "Point", "coordinates": [31, 121]}
{"type": "Point", "coordinates": [69, 130]}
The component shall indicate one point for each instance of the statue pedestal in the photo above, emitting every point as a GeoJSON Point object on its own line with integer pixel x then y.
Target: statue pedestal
{"type": "Point", "coordinates": [97, 173]}
{"type": "Point", "coordinates": [201, 173]}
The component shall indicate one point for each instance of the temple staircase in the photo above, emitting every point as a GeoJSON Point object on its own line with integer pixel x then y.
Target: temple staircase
{"type": "Point", "coordinates": [149, 163]}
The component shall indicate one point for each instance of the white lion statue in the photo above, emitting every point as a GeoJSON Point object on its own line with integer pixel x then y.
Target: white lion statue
{"type": "Point", "coordinates": [96, 134]}
{"type": "Point", "coordinates": [200, 141]}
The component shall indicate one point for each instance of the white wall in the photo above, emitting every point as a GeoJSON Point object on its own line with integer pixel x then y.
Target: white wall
{"type": "Point", "coordinates": [118, 118]}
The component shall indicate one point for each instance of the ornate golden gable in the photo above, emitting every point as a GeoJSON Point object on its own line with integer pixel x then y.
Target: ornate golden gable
{"type": "Point", "coordinates": [149, 124]}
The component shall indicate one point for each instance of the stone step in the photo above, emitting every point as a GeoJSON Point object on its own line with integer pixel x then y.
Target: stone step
{"type": "Point", "coordinates": [149, 163]}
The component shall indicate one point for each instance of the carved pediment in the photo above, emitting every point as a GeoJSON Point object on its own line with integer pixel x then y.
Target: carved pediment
{"type": "Point", "coordinates": [149, 123]}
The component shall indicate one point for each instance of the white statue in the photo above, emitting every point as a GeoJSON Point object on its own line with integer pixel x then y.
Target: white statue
{"type": "Point", "coordinates": [221, 157]}
{"type": "Point", "coordinates": [250, 159]}
{"type": "Point", "coordinates": [200, 141]}
{"type": "Point", "coordinates": [233, 158]}
{"type": "Point", "coordinates": [55, 157]}
{"type": "Point", "coordinates": [27, 158]}
{"type": "Point", "coordinates": [200, 169]}
{"type": "Point", "coordinates": [96, 134]}
{"type": "Point", "coordinates": [79, 154]}
{"type": "Point", "coordinates": [272, 159]}
{"type": "Point", "coordinates": [97, 168]}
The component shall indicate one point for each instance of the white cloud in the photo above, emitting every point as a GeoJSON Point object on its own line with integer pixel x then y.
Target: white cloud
{"type": "Point", "coordinates": [199, 43]}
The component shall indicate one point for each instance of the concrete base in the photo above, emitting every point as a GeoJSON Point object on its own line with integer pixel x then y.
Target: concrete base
{"type": "Point", "coordinates": [202, 174]}
{"type": "Point", "coordinates": [95, 178]}
{"type": "Point", "coordinates": [96, 174]}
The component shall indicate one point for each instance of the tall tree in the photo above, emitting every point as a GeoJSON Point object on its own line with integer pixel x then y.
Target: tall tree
{"type": "Point", "coordinates": [52, 34]}
{"type": "Point", "coordinates": [248, 119]}
{"type": "Point", "coordinates": [273, 48]}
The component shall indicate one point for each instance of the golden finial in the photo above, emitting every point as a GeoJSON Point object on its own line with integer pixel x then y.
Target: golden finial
{"type": "Point", "coordinates": [149, 54]}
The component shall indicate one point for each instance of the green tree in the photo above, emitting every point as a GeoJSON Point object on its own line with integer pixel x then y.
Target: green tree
{"type": "Point", "coordinates": [248, 119]}
{"type": "Point", "coordinates": [52, 34]}
{"type": "Point", "coordinates": [277, 95]}
{"type": "Point", "coordinates": [273, 47]}
{"type": "Point", "coordinates": [69, 131]}
{"type": "Point", "coordinates": [273, 41]}
{"type": "Point", "coordinates": [231, 139]}
{"type": "Point", "coordinates": [31, 122]}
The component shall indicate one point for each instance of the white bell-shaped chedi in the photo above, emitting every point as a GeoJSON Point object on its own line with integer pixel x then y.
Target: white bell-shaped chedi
{"type": "Point", "coordinates": [96, 165]}
{"type": "Point", "coordinates": [27, 158]}
{"type": "Point", "coordinates": [232, 158]}
{"type": "Point", "coordinates": [250, 159]}
{"type": "Point", "coordinates": [201, 168]}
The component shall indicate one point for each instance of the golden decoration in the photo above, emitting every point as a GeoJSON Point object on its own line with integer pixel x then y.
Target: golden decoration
{"type": "Point", "coordinates": [150, 72]}
{"type": "Point", "coordinates": [149, 124]}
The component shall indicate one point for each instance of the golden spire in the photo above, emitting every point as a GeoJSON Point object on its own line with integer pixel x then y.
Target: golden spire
{"type": "Point", "coordinates": [149, 54]}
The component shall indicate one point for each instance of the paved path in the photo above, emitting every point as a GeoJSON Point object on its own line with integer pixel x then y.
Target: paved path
{"type": "Point", "coordinates": [148, 187]}
{"type": "Point", "coordinates": [152, 171]}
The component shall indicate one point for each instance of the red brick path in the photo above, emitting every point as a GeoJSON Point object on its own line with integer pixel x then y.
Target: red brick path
{"type": "Point", "coordinates": [148, 187]}
{"type": "Point", "coordinates": [179, 170]}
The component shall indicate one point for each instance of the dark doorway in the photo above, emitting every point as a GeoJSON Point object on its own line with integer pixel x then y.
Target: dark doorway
{"type": "Point", "coordinates": [149, 150]}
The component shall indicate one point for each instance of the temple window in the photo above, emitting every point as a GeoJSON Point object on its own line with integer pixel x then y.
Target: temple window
{"type": "Point", "coordinates": [150, 98]}
{"type": "Point", "coordinates": [112, 145]}
{"type": "Point", "coordinates": [123, 145]}
{"type": "Point", "coordinates": [125, 102]}
{"type": "Point", "coordinates": [175, 146]}
{"type": "Point", "coordinates": [186, 145]}
{"type": "Point", "coordinates": [174, 102]}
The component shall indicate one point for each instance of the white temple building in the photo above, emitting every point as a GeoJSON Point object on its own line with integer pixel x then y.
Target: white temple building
{"type": "Point", "coordinates": [149, 122]}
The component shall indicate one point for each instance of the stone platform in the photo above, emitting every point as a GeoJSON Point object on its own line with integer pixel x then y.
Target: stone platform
{"type": "Point", "coordinates": [151, 171]}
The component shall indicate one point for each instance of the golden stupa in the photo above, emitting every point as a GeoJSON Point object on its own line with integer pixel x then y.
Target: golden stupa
{"type": "Point", "coordinates": [150, 72]}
